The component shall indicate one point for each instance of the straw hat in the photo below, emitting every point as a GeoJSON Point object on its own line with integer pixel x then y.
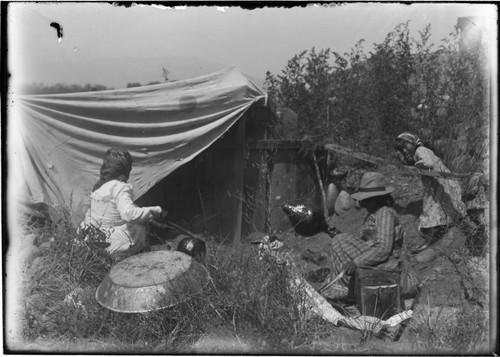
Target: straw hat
{"type": "Point", "coordinates": [372, 184]}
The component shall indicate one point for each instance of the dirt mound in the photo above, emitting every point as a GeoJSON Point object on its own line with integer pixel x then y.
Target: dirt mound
{"type": "Point", "coordinates": [449, 278]}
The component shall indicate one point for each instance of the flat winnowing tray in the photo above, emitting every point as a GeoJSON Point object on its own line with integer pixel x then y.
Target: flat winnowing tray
{"type": "Point", "coordinates": [151, 281]}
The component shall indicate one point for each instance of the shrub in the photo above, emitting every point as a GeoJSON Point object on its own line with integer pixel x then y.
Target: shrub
{"type": "Point", "coordinates": [406, 84]}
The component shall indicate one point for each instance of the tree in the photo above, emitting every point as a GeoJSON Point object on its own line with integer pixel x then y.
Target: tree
{"type": "Point", "coordinates": [165, 74]}
{"type": "Point", "coordinates": [391, 70]}
{"type": "Point", "coordinates": [465, 120]}
{"type": "Point", "coordinates": [364, 102]}
{"type": "Point", "coordinates": [304, 87]}
{"type": "Point", "coordinates": [41, 88]}
{"type": "Point", "coordinates": [349, 104]}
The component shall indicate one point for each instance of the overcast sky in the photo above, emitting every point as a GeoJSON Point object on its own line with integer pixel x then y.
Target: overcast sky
{"type": "Point", "coordinates": [254, 40]}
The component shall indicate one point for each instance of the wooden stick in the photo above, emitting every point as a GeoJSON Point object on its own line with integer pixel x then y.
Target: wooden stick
{"type": "Point", "coordinates": [296, 144]}
{"type": "Point", "coordinates": [170, 224]}
{"type": "Point", "coordinates": [183, 230]}
{"type": "Point", "coordinates": [321, 187]}
{"type": "Point", "coordinates": [380, 161]}
{"type": "Point", "coordinates": [337, 278]}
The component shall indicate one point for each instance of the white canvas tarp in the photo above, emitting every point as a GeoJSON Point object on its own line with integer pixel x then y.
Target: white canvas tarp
{"type": "Point", "coordinates": [57, 142]}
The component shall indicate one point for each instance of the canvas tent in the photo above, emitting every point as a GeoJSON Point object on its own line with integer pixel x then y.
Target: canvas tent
{"type": "Point", "coordinates": [57, 142]}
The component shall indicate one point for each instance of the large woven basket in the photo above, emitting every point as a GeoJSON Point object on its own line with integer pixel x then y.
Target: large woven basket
{"type": "Point", "coordinates": [151, 281]}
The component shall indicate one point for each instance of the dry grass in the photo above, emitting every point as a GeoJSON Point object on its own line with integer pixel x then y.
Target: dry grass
{"type": "Point", "coordinates": [247, 307]}
{"type": "Point", "coordinates": [244, 294]}
{"type": "Point", "coordinates": [439, 329]}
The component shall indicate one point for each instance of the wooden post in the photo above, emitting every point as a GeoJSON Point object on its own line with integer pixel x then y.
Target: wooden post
{"type": "Point", "coordinates": [327, 115]}
{"type": "Point", "coordinates": [323, 194]}
{"type": "Point", "coordinates": [268, 177]}
{"type": "Point", "coordinates": [240, 178]}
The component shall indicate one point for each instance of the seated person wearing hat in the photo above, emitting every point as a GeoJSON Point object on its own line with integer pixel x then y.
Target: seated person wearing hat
{"type": "Point", "coordinates": [379, 244]}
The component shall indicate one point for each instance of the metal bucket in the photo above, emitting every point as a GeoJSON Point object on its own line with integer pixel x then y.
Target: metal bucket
{"type": "Point", "coordinates": [377, 292]}
{"type": "Point", "coordinates": [151, 281]}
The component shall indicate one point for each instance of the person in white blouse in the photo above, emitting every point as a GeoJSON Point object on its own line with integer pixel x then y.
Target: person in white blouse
{"type": "Point", "coordinates": [112, 209]}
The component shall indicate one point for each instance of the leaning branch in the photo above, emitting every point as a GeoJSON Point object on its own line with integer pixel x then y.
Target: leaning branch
{"type": "Point", "coordinates": [321, 187]}
{"type": "Point", "coordinates": [379, 161]}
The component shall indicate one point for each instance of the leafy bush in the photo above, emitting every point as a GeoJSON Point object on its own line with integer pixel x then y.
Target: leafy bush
{"type": "Point", "coordinates": [364, 101]}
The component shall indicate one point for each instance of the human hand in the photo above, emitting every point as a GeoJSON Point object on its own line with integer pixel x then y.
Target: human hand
{"type": "Point", "coordinates": [164, 213]}
{"type": "Point", "coordinates": [332, 231]}
{"type": "Point", "coordinates": [350, 268]}
{"type": "Point", "coordinates": [156, 213]}
{"type": "Point", "coordinates": [368, 235]}
{"type": "Point", "coordinates": [421, 165]}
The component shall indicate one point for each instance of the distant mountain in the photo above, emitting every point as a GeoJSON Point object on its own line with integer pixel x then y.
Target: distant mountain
{"type": "Point", "coordinates": [117, 72]}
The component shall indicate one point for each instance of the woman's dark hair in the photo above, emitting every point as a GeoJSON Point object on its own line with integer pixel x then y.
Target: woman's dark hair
{"type": "Point", "coordinates": [116, 165]}
{"type": "Point", "coordinates": [384, 200]}
{"type": "Point", "coordinates": [387, 200]}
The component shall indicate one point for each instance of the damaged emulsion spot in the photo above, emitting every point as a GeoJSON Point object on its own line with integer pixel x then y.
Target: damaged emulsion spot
{"type": "Point", "coordinates": [58, 29]}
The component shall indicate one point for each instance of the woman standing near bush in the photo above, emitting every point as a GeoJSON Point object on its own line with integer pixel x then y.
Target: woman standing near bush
{"type": "Point", "coordinates": [112, 209]}
{"type": "Point", "coordinates": [442, 201]}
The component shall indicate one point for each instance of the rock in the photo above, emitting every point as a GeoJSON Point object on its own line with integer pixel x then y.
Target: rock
{"type": "Point", "coordinates": [344, 203]}
{"type": "Point", "coordinates": [332, 193]}
{"type": "Point", "coordinates": [425, 256]}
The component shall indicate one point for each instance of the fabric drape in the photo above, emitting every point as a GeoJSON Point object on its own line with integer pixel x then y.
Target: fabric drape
{"type": "Point", "coordinates": [56, 142]}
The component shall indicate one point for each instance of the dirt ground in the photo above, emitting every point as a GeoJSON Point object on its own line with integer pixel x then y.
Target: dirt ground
{"type": "Point", "coordinates": [451, 282]}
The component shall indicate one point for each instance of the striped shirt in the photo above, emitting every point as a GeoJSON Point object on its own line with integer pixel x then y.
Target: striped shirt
{"type": "Point", "coordinates": [379, 244]}
{"type": "Point", "coordinates": [386, 239]}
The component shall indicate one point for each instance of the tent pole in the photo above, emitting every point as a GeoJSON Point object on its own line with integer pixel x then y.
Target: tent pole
{"type": "Point", "coordinates": [240, 179]}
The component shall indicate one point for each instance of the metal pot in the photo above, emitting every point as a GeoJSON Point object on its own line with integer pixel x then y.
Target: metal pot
{"type": "Point", "coordinates": [151, 281]}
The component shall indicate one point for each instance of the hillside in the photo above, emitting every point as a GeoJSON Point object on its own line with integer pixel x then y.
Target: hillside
{"type": "Point", "coordinates": [117, 72]}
